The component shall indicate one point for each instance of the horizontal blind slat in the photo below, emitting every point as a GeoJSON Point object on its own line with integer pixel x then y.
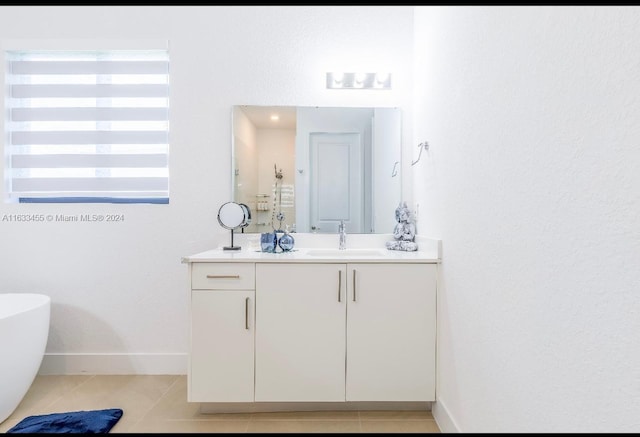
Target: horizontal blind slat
{"type": "Point", "coordinates": [89, 67]}
{"type": "Point", "coordinates": [107, 184]}
{"type": "Point", "coordinates": [89, 161]}
{"type": "Point", "coordinates": [22, 91]}
{"type": "Point", "coordinates": [116, 149]}
{"type": "Point", "coordinates": [89, 137]}
{"type": "Point", "coordinates": [121, 194]}
{"type": "Point", "coordinates": [89, 114]}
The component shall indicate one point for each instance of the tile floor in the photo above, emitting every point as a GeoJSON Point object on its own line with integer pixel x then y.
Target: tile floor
{"type": "Point", "coordinates": [158, 404]}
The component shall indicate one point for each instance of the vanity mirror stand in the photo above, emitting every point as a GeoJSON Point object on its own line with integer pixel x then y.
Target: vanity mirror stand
{"type": "Point", "coordinates": [232, 215]}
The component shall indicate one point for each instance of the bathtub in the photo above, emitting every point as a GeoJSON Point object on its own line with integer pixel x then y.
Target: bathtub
{"type": "Point", "coordinates": [24, 329]}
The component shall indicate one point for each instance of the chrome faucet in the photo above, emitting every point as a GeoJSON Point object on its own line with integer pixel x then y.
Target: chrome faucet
{"type": "Point", "coordinates": [343, 235]}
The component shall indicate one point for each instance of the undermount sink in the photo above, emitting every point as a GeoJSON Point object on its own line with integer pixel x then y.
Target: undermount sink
{"type": "Point", "coordinates": [345, 252]}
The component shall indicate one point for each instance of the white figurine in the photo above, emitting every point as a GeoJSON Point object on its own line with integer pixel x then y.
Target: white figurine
{"type": "Point", "coordinates": [405, 231]}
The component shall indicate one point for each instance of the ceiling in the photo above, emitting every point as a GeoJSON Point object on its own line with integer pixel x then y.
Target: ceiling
{"type": "Point", "coordinates": [260, 116]}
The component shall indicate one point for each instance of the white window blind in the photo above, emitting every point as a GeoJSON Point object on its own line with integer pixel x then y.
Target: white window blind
{"type": "Point", "coordinates": [87, 126]}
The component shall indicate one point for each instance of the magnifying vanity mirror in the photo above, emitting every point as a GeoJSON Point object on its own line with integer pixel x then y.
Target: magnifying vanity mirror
{"type": "Point", "coordinates": [309, 168]}
{"type": "Point", "coordinates": [233, 215]}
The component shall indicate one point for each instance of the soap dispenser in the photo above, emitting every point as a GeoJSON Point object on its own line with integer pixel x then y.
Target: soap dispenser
{"type": "Point", "coordinates": [286, 241]}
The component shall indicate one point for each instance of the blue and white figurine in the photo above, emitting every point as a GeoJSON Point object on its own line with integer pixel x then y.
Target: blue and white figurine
{"type": "Point", "coordinates": [404, 232]}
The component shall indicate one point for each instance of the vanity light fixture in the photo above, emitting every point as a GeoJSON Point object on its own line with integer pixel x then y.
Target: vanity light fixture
{"type": "Point", "coordinates": [337, 77]}
{"type": "Point", "coordinates": [380, 81]}
{"type": "Point", "coordinates": [275, 117]}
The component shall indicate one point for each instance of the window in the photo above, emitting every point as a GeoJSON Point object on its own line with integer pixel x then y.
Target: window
{"type": "Point", "coordinates": [87, 126]}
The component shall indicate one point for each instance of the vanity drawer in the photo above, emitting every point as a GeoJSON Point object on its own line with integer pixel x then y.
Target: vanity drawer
{"type": "Point", "coordinates": [223, 276]}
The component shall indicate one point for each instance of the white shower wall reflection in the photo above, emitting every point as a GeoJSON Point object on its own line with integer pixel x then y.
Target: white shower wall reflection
{"type": "Point", "coordinates": [259, 145]}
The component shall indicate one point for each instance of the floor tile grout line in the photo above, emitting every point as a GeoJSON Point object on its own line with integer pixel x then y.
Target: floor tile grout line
{"type": "Point", "coordinates": [61, 396]}
{"type": "Point", "coordinates": [157, 401]}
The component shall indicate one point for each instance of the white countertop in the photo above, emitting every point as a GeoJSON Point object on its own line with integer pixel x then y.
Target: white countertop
{"type": "Point", "coordinates": [320, 248]}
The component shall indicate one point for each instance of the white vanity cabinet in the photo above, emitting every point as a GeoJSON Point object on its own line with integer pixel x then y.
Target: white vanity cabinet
{"type": "Point", "coordinates": [300, 341]}
{"type": "Point", "coordinates": [222, 332]}
{"type": "Point", "coordinates": [345, 332]}
{"type": "Point", "coordinates": [391, 332]}
{"type": "Point", "coordinates": [313, 329]}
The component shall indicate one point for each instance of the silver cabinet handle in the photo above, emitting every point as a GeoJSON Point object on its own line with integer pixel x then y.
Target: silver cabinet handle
{"type": "Point", "coordinates": [246, 313]}
{"type": "Point", "coordinates": [354, 285]}
{"type": "Point", "coordinates": [339, 284]}
{"type": "Point", "coordinates": [223, 276]}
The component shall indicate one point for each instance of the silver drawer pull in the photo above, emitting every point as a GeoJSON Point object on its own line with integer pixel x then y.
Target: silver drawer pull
{"type": "Point", "coordinates": [339, 284]}
{"type": "Point", "coordinates": [354, 285]}
{"type": "Point", "coordinates": [246, 313]}
{"type": "Point", "coordinates": [223, 276]}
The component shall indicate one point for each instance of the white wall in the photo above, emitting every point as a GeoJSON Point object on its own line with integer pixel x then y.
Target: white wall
{"type": "Point", "coordinates": [120, 289]}
{"type": "Point", "coordinates": [532, 182]}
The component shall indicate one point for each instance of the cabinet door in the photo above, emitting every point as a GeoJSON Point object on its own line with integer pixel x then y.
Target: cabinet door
{"type": "Point", "coordinates": [391, 332]}
{"type": "Point", "coordinates": [300, 332]}
{"type": "Point", "coordinates": [222, 337]}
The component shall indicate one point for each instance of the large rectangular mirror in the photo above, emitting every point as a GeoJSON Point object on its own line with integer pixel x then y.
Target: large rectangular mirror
{"type": "Point", "coordinates": [311, 167]}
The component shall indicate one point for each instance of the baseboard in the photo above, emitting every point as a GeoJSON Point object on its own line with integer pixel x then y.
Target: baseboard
{"type": "Point", "coordinates": [270, 407]}
{"type": "Point", "coordinates": [443, 418]}
{"type": "Point", "coordinates": [114, 364]}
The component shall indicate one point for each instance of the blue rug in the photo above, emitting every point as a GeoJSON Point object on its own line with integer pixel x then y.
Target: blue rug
{"type": "Point", "coordinates": [79, 422]}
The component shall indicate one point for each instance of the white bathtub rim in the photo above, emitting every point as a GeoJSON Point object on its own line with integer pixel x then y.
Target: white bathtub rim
{"type": "Point", "coordinates": [34, 301]}
{"type": "Point", "coordinates": [24, 329]}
